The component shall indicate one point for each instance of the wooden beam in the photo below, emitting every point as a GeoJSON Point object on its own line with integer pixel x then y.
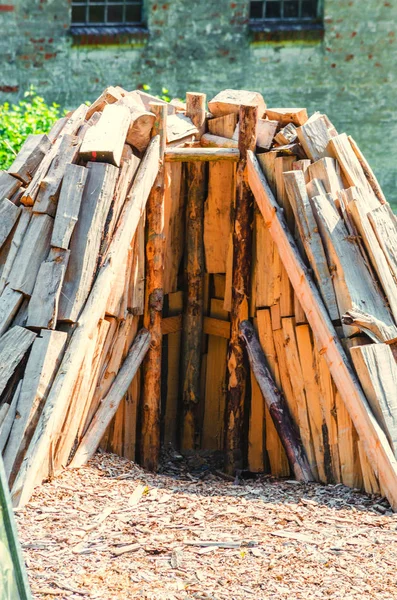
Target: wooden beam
{"type": "Point", "coordinates": [216, 327]}
{"type": "Point", "coordinates": [201, 154]}
{"type": "Point", "coordinates": [372, 437]}
{"type": "Point", "coordinates": [33, 150]}
{"type": "Point", "coordinates": [68, 205]}
{"type": "Point", "coordinates": [209, 140]}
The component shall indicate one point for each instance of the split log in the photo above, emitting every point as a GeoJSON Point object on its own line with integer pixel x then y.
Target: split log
{"type": "Point", "coordinates": [43, 305]}
{"type": "Point", "coordinates": [56, 129]}
{"type": "Point", "coordinates": [277, 406]}
{"type": "Point", "coordinates": [377, 330]}
{"type": "Point", "coordinates": [6, 425]}
{"type": "Point", "coordinates": [384, 224]}
{"type": "Point", "coordinates": [86, 239]}
{"type": "Point", "coordinates": [47, 197]}
{"type": "Point", "coordinates": [33, 150]}
{"type": "Point", "coordinates": [230, 101]}
{"type": "Point", "coordinates": [223, 126]}
{"type": "Point", "coordinates": [174, 225]}
{"type": "Point", "coordinates": [368, 172]}
{"type": "Point", "coordinates": [241, 286]}
{"type": "Point", "coordinates": [328, 172]}
{"type": "Point", "coordinates": [9, 214]}
{"type": "Point", "coordinates": [286, 135]}
{"type": "Point", "coordinates": [172, 353]}
{"type": "Point", "coordinates": [314, 137]}
{"type": "Point", "coordinates": [68, 205]}
{"type": "Point", "coordinates": [136, 296]}
{"type": "Point", "coordinates": [13, 346]}
{"type": "Point", "coordinates": [209, 140]}
{"type": "Point", "coordinates": [35, 464]}
{"type": "Point", "coordinates": [10, 301]}
{"type": "Point", "coordinates": [145, 100]}
{"type": "Point", "coordinates": [201, 154]}
{"type": "Point", "coordinates": [180, 126]}
{"type": "Point", "coordinates": [353, 283]}
{"type": "Point", "coordinates": [17, 240]}
{"type": "Point", "coordinates": [141, 124]}
{"type": "Point", "coordinates": [42, 365]}
{"type": "Point", "coordinates": [32, 252]}
{"type": "Point", "coordinates": [307, 226]}
{"type": "Point", "coordinates": [109, 96]}
{"type": "Point", "coordinates": [377, 371]}
{"type": "Point", "coordinates": [8, 185]}
{"type": "Point", "coordinates": [374, 441]}
{"type": "Point", "coordinates": [110, 403]}
{"type": "Point", "coordinates": [297, 116]}
{"type": "Point", "coordinates": [265, 133]}
{"type": "Point", "coordinates": [257, 459]}
{"type": "Point", "coordinates": [194, 285]}
{"type": "Point", "coordinates": [105, 140]}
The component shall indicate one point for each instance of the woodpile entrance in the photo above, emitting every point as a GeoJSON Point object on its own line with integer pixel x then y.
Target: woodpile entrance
{"type": "Point", "coordinates": [218, 278]}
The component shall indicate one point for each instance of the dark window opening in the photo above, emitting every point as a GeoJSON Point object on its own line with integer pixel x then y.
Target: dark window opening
{"type": "Point", "coordinates": [273, 15]}
{"type": "Point", "coordinates": [106, 14]}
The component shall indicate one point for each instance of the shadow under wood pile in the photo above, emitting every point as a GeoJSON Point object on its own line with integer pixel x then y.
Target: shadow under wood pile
{"type": "Point", "coordinates": [135, 240]}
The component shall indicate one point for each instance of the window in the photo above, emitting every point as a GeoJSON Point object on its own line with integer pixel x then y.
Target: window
{"type": "Point", "coordinates": [106, 14]}
{"type": "Point", "coordinates": [285, 14]}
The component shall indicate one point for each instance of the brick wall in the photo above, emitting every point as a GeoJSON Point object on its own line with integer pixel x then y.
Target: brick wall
{"type": "Point", "coordinates": [205, 46]}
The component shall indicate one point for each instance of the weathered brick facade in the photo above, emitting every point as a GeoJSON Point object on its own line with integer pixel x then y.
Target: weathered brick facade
{"type": "Point", "coordinates": [206, 46]}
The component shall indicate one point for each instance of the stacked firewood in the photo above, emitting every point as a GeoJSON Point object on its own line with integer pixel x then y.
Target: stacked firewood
{"type": "Point", "coordinates": [132, 257]}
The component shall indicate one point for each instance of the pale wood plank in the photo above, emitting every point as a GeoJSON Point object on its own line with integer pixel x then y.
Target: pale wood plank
{"type": "Point", "coordinates": [173, 346]}
{"type": "Point", "coordinates": [15, 244]}
{"type": "Point", "coordinates": [6, 425]}
{"type": "Point", "coordinates": [223, 126]}
{"type": "Point", "coordinates": [229, 101]}
{"type": "Point", "coordinates": [384, 224]}
{"type": "Point", "coordinates": [32, 152]}
{"type": "Point", "coordinates": [314, 136]}
{"type": "Point", "coordinates": [105, 140]}
{"type": "Point", "coordinates": [68, 205]}
{"type": "Point", "coordinates": [13, 346]}
{"type": "Point", "coordinates": [10, 301]}
{"type": "Point", "coordinates": [9, 214]}
{"type": "Point", "coordinates": [8, 185]}
{"type": "Point", "coordinates": [297, 116]}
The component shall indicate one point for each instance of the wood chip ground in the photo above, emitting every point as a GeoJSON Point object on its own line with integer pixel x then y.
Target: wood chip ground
{"type": "Point", "coordinates": [110, 530]}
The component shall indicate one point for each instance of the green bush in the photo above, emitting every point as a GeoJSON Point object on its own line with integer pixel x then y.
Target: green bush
{"type": "Point", "coordinates": [31, 115]}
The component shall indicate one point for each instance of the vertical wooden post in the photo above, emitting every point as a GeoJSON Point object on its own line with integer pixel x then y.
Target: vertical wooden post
{"type": "Point", "coordinates": [151, 389]}
{"type": "Point", "coordinates": [194, 276]}
{"type": "Point", "coordinates": [242, 248]}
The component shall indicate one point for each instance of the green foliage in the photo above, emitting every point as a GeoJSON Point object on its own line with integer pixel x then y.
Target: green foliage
{"type": "Point", "coordinates": [31, 115]}
{"type": "Point", "coordinates": [164, 93]}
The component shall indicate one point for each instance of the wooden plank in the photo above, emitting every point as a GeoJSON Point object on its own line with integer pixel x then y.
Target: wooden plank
{"type": "Point", "coordinates": [377, 257]}
{"type": "Point", "coordinates": [8, 185]}
{"type": "Point", "coordinates": [265, 133]}
{"type": "Point", "coordinates": [216, 327]}
{"type": "Point", "coordinates": [13, 346]}
{"type": "Point", "coordinates": [56, 129]}
{"type": "Point", "coordinates": [310, 381]}
{"type": "Point", "coordinates": [377, 372]}
{"type": "Point", "coordinates": [368, 172]}
{"type": "Point", "coordinates": [286, 135]}
{"type": "Point", "coordinates": [175, 307]}
{"type": "Point", "coordinates": [314, 136]}
{"type": "Point", "coordinates": [218, 215]}
{"type": "Point", "coordinates": [44, 303]}
{"type": "Point", "coordinates": [32, 152]}
{"type": "Point", "coordinates": [209, 140]}
{"type": "Point", "coordinates": [296, 377]}
{"type": "Point", "coordinates": [105, 140]}
{"type": "Point", "coordinates": [328, 172]}
{"type": "Point", "coordinates": [144, 100]}
{"type": "Point", "coordinates": [179, 126]}
{"type": "Point", "coordinates": [353, 283]}
{"type": "Point", "coordinates": [43, 362]}
{"type": "Point", "coordinates": [69, 202]}
{"type": "Point", "coordinates": [297, 116]}
{"type": "Point", "coordinates": [6, 425]}
{"type": "Point", "coordinates": [136, 300]}
{"type": "Point", "coordinates": [109, 96]}
{"type": "Point", "coordinates": [374, 441]}
{"type": "Point", "coordinates": [110, 403]}
{"type": "Point", "coordinates": [384, 224]}
{"type": "Point", "coordinates": [9, 214]}
{"type": "Point", "coordinates": [256, 427]}
{"type": "Point", "coordinates": [350, 470]}
{"type": "Point", "coordinates": [48, 194]}
{"type": "Point", "coordinates": [223, 126]}
{"type": "Point", "coordinates": [86, 239]}
{"type": "Point", "coordinates": [174, 225]}
{"type": "Point", "coordinates": [10, 301]}
{"type": "Point", "coordinates": [215, 386]}
{"type": "Point", "coordinates": [171, 325]}
{"type": "Point", "coordinates": [371, 483]}
{"type": "Point", "coordinates": [32, 252]}
{"type": "Point", "coordinates": [229, 101]}
{"type": "Point", "coordinates": [309, 234]}
{"type": "Point", "coordinates": [201, 154]}
{"type": "Point", "coordinates": [15, 244]}
{"type": "Point", "coordinates": [275, 451]}
{"type": "Point", "coordinates": [53, 415]}
{"type": "Point", "coordinates": [339, 147]}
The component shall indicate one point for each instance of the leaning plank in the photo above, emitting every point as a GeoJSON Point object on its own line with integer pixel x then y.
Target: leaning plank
{"type": "Point", "coordinates": [35, 464]}
{"type": "Point", "coordinates": [31, 254]}
{"type": "Point", "coordinates": [13, 346]}
{"type": "Point", "coordinates": [308, 230]}
{"type": "Point", "coordinates": [34, 148]}
{"type": "Point", "coordinates": [229, 101]}
{"type": "Point", "coordinates": [47, 197]}
{"type": "Point", "coordinates": [105, 140]}
{"type": "Point", "coordinates": [8, 185]}
{"type": "Point", "coordinates": [10, 301]}
{"type": "Point", "coordinates": [110, 403]}
{"type": "Point", "coordinates": [201, 154]}
{"type": "Point", "coordinates": [378, 259]}
{"type": "Point", "coordinates": [16, 242]}
{"type": "Point", "coordinates": [43, 362]}
{"type": "Point", "coordinates": [368, 172]}
{"type": "Point", "coordinates": [9, 214]}
{"type": "Point", "coordinates": [374, 441]}
{"type": "Point", "coordinates": [86, 239]}
{"type": "Point", "coordinates": [377, 371]}
{"type": "Point", "coordinates": [43, 305]}
{"type": "Point", "coordinates": [327, 171]}
{"type": "Point", "coordinates": [173, 352]}
{"type": "Point", "coordinates": [68, 205]}
{"type": "Point", "coordinates": [6, 425]}
{"type": "Point", "coordinates": [314, 137]}
{"type": "Point", "coordinates": [384, 224]}
{"type": "Point", "coordinates": [277, 405]}
{"type": "Point", "coordinates": [353, 283]}
{"type": "Point", "coordinates": [174, 224]}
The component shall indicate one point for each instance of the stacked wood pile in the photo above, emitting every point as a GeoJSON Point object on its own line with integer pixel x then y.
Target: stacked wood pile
{"type": "Point", "coordinates": [189, 239]}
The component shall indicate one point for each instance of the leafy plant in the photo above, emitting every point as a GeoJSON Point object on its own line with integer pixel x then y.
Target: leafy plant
{"type": "Point", "coordinates": [31, 115]}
